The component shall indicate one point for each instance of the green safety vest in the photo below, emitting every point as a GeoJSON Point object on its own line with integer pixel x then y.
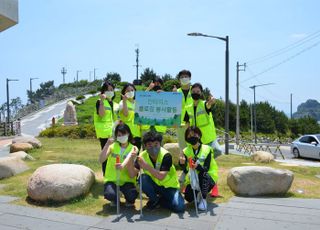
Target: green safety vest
{"type": "Point", "coordinates": [110, 173]}
{"type": "Point", "coordinates": [103, 125]}
{"type": "Point", "coordinates": [185, 102]}
{"type": "Point", "coordinates": [171, 179]}
{"type": "Point", "coordinates": [158, 128]}
{"type": "Point", "coordinates": [129, 120]}
{"type": "Point", "coordinates": [202, 155]}
{"type": "Point", "coordinates": [204, 122]}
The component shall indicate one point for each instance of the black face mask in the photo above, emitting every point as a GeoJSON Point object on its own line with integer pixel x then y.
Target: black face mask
{"type": "Point", "coordinates": [195, 96]}
{"type": "Point", "coordinates": [156, 88]}
{"type": "Point", "coordinates": [193, 140]}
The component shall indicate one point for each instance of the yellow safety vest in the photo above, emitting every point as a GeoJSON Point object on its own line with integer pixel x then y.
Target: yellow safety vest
{"type": "Point", "coordinates": [202, 155]}
{"type": "Point", "coordinates": [103, 125]}
{"type": "Point", "coordinates": [185, 102]}
{"type": "Point", "coordinates": [110, 173]}
{"type": "Point", "coordinates": [171, 179]}
{"type": "Point", "coordinates": [203, 121]}
{"type": "Point", "coordinates": [129, 120]}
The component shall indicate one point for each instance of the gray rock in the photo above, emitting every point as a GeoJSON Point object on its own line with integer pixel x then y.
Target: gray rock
{"type": "Point", "coordinates": [22, 155]}
{"type": "Point", "coordinates": [10, 166]}
{"type": "Point", "coordinates": [16, 147]}
{"type": "Point", "coordinates": [259, 180]}
{"type": "Point", "coordinates": [174, 150]}
{"type": "Point", "coordinates": [31, 140]}
{"type": "Point", "coordinates": [60, 182]}
{"type": "Point", "coordinates": [70, 115]}
{"type": "Point", "coordinates": [262, 157]}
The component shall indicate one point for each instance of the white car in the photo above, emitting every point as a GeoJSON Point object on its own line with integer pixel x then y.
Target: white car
{"type": "Point", "coordinates": [306, 146]}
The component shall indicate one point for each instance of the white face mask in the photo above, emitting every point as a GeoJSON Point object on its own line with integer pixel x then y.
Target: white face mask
{"type": "Point", "coordinates": [184, 81]}
{"type": "Point", "coordinates": [122, 139]}
{"type": "Point", "coordinates": [109, 94]}
{"type": "Point", "coordinates": [130, 94]}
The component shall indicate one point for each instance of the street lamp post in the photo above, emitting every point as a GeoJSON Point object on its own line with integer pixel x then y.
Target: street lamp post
{"type": "Point", "coordinates": [32, 78]}
{"type": "Point", "coordinates": [254, 108]}
{"type": "Point", "coordinates": [226, 114]}
{"type": "Point", "coordinates": [238, 109]}
{"type": "Point", "coordinates": [8, 109]}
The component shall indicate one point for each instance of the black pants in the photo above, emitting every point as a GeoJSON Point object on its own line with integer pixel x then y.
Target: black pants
{"type": "Point", "coordinates": [128, 189]}
{"type": "Point", "coordinates": [103, 142]}
{"type": "Point", "coordinates": [206, 184]}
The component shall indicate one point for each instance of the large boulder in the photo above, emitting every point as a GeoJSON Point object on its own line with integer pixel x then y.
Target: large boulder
{"type": "Point", "coordinates": [16, 147]}
{"type": "Point", "coordinates": [174, 150]}
{"type": "Point", "coordinates": [259, 180]}
{"type": "Point", "coordinates": [262, 157]}
{"type": "Point", "coordinates": [60, 182]}
{"type": "Point", "coordinates": [22, 155]}
{"type": "Point", "coordinates": [10, 166]}
{"type": "Point", "coordinates": [31, 140]}
{"type": "Point", "coordinates": [70, 114]}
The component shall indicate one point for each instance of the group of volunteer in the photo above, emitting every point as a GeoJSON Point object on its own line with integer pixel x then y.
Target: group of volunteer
{"type": "Point", "coordinates": [129, 150]}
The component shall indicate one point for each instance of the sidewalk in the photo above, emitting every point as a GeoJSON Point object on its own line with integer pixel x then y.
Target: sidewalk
{"type": "Point", "coordinates": [238, 213]}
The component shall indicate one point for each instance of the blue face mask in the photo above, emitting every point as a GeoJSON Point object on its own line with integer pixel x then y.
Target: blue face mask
{"type": "Point", "coordinates": [153, 151]}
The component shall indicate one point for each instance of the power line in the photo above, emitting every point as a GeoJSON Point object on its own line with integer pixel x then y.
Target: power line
{"type": "Point", "coordinates": [283, 61]}
{"type": "Point", "coordinates": [285, 49]}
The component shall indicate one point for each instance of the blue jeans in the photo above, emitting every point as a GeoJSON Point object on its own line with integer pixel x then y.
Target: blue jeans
{"type": "Point", "coordinates": [170, 198]}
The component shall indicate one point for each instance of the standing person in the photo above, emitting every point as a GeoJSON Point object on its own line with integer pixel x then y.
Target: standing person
{"type": "Point", "coordinates": [159, 178]}
{"type": "Point", "coordinates": [205, 166]}
{"type": "Point", "coordinates": [105, 115]}
{"type": "Point", "coordinates": [184, 77]}
{"type": "Point", "coordinates": [126, 112]}
{"type": "Point", "coordinates": [122, 148]}
{"type": "Point", "coordinates": [199, 114]}
{"type": "Point", "coordinates": [156, 86]}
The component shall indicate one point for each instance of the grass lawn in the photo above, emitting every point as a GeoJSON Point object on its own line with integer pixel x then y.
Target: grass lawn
{"type": "Point", "coordinates": [86, 152]}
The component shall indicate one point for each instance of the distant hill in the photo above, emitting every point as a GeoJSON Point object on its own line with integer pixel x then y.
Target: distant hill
{"type": "Point", "coordinates": [309, 108]}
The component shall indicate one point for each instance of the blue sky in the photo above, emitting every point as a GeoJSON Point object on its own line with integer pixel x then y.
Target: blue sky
{"type": "Point", "coordinates": [103, 34]}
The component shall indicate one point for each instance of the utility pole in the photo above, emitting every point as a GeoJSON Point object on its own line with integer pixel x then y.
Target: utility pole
{"type": "Point", "coordinates": [238, 110]}
{"type": "Point", "coordinates": [94, 74]}
{"type": "Point", "coordinates": [291, 106]}
{"type": "Point", "coordinates": [64, 72]}
{"type": "Point", "coordinates": [254, 109]}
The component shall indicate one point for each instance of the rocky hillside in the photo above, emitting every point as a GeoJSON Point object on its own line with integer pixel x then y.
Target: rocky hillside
{"type": "Point", "coordinates": [310, 108]}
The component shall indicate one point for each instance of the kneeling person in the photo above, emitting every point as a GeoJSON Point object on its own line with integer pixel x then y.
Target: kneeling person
{"type": "Point", "coordinates": [159, 178]}
{"type": "Point", "coordinates": [127, 181]}
{"type": "Point", "coordinates": [205, 166]}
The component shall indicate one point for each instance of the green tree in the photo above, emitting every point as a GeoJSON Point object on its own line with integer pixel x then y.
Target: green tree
{"type": "Point", "coordinates": [115, 78]}
{"type": "Point", "coordinates": [166, 77]}
{"type": "Point", "coordinates": [244, 112]}
{"type": "Point", "coordinates": [168, 85]}
{"type": "Point", "coordinates": [147, 76]}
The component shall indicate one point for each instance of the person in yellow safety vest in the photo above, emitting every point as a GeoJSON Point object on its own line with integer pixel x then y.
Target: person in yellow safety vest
{"type": "Point", "coordinates": [199, 114]}
{"type": "Point", "coordinates": [105, 115]}
{"type": "Point", "coordinates": [205, 166]}
{"type": "Point", "coordinates": [123, 148]}
{"type": "Point", "coordinates": [184, 77]}
{"type": "Point", "coordinates": [159, 178]}
{"type": "Point", "coordinates": [155, 85]}
{"type": "Point", "coordinates": [126, 112]}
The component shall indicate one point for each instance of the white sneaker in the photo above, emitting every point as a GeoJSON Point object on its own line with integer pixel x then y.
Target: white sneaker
{"type": "Point", "coordinates": [202, 205]}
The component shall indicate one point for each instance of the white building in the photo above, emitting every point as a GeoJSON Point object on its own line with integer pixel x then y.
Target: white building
{"type": "Point", "coordinates": [8, 14]}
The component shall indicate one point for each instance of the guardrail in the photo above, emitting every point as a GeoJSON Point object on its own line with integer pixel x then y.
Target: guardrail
{"type": "Point", "coordinates": [249, 148]}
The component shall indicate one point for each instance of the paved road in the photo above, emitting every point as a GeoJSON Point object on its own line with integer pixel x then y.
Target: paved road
{"type": "Point", "coordinates": [33, 124]}
{"type": "Point", "coordinates": [239, 213]}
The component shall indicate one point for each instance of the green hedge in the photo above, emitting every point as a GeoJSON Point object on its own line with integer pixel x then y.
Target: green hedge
{"type": "Point", "coordinates": [75, 131]}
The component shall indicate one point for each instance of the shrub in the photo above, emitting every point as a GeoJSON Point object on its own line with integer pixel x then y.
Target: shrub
{"type": "Point", "coordinates": [75, 132]}
{"type": "Point", "coordinates": [80, 97]}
